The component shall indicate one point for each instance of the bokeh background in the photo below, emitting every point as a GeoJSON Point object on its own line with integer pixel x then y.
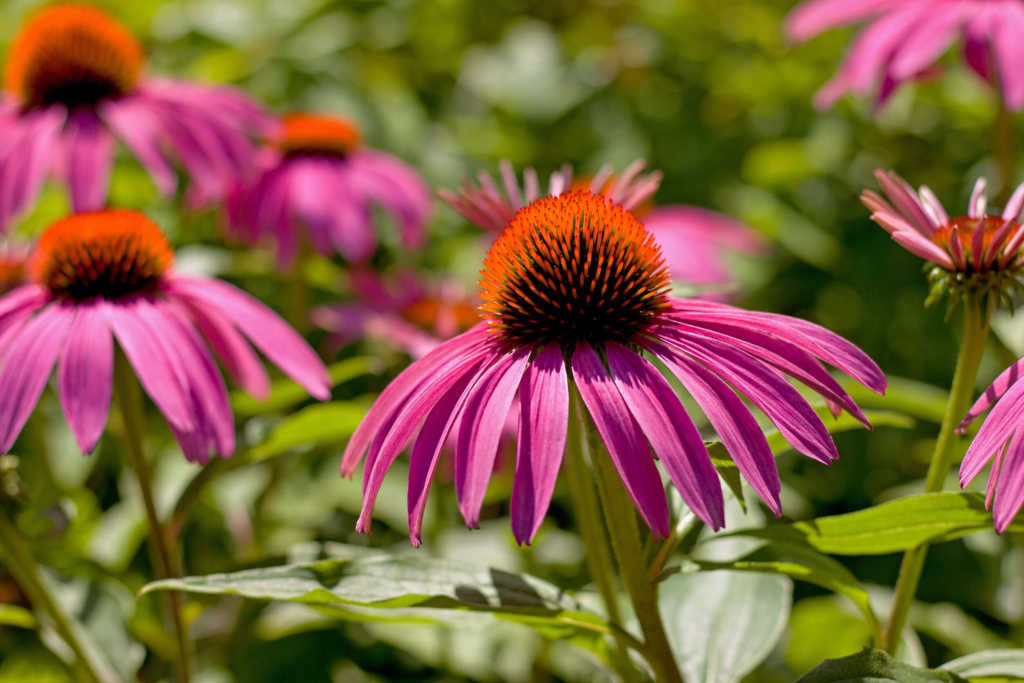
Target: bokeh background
{"type": "Point", "coordinates": [710, 93]}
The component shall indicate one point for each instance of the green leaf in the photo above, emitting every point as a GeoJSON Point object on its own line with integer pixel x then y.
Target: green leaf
{"type": "Point", "coordinates": [727, 470]}
{"type": "Point", "coordinates": [13, 615]}
{"type": "Point", "coordinates": [891, 527]}
{"type": "Point", "coordinates": [388, 582]}
{"type": "Point", "coordinates": [920, 400]}
{"type": "Point", "coordinates": [989, 663]}
{"type": "Point", "coordinates": [870, 663]}
{"type": "Point", "coordinates": [723, 624]}
{"type": "Point", "coordinates": [315, 425]}
{"type": "Point", "coordinates": [801, 562]}
{"type": "Point", "coordinates": [285, 394]}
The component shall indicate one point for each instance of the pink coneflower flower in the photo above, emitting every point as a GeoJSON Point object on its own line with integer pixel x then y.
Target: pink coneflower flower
{"type": "Point", "coordinates": [977, 253]}
{"type": "Point", "coordinates": [74, 83]}
{"type": "Point", "coordinates": [576, 288]}
{"type": "Point", "coordinates": [105, 276]}
{"type": "Point", "coordinates": [694, 241]}
{"type": "Point", "coordinates": [318, 183]}
{"type": "Point", "coordinates": [905, 38]}
{"type": "Point", "coordinates": [1001, 442]}
{"type": "Point", "coordinates": [409, 312]}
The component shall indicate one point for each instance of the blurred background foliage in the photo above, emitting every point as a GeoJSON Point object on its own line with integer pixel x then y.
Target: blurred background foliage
{"type": "Point", "coordinates": [711, 94]}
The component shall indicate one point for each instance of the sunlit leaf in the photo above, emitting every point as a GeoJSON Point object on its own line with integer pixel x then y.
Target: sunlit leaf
{"type": "Point", "coordinates": [873, 664]}
{"type": "Point", "coordinates": [315, 425]}
{"type": "Point", "coordinates": [989, 663]}
{"type": "Point", "coordinates": [285, 393]}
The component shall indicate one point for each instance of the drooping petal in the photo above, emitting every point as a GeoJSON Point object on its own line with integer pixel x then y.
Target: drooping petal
{"type": "Point", "coordinates": [1002, 383]}
{"type": "Point", "coordinates": [140, 130]}
{"type": "Point", "coordinates": [487, 408]}
{"type": "Point", "coordinates": [623, 439]}
{"type": "Point", "coordinates": [1010, 488]}
{"type": "Point", "coordinates": [90, 158]}
{"type": "Point", "coordinates": [1003, 421]}
{"type": "Point", "coordinates": [543, 424]}
{"type": "Point", "coordinates": [264, 328]}
{"type": "Point", "coordinates": [27, 366]}
{"type": "Point", "coordinates": [85, 375]}
{"type": "Point", "coordinates": [670, 431]}
{"type": "Point", "coordinates": [233, 351]}
{"type": "Point", "coordinates": [735, 426]}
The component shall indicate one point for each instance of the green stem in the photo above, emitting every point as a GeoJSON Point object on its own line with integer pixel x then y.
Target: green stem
{"type": "Point", "coordinates": [1004, 144]}
{"type": "Point", "coordinates": [588, 515]}
{"type": "Point", "coordinates": [971, 349]}
{"type": "Point", "coordinates": [620, 519]}
{"type": "Point", "coordinates": [129, 399]}
{"type": "Point", "coordinates": [19, 561]}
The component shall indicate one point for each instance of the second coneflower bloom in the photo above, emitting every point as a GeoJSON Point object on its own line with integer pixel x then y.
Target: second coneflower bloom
{"type": "Point", "coordinates": [318, 184]}
{"type": "Point", "coordinates": [106, 276]}
{"type": "Point", "coordinates": [575, 290]}
{"type": "Point", "coordinates": [74, 83]}
{"type": "Point", "coordinates": [973, 255]}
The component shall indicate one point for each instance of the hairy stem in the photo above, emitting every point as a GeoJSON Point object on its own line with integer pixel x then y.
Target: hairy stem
{"type": "Point", "coordinates": [971, 349]}
{"type": "Point", "coordinates": [129, 399]}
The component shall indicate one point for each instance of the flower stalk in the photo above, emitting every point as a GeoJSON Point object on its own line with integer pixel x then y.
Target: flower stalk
{"type": "Point", "coordinates": [129, 399]}
{"type": "Point", "coordinates": [19, 561]}
{"type": "Point", "coordinates": [975, 334]}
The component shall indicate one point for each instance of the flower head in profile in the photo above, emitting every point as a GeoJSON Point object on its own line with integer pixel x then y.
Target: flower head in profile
{"type": "Point", "coordinates": [575, 291]}
{"type": "Point", "coordinates": [973, 255]}
{"type": "Point", "coordinates": [318, 184]}
{"type": "Point", "coordinates": [75, 84]}
{"type": "Point", "coordinates": [904, 39]}
{"type": "Point", "coordinates": [409, 312]}
{"type": "Point", "coordinates": [694, 241]}
{"type": "Point", "coordinates": [103, 277]}
{"type": "Point", "coordinates": [1000, 441]}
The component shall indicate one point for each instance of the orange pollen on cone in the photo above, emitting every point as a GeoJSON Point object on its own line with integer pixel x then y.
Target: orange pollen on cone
{"type": "Point", "coordinates": [316, 134]}
{"type": "Point", "coordinates": [573, 268]}
{"type": "Point", "coordinates": [966, 229]}
{"type": "Point", "coordinates": [112, 254]}
{"type": "Point", "coordinates": [75, 55]}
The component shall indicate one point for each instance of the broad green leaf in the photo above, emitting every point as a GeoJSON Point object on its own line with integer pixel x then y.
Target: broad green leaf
{"type": "Point", "coordinates": [801, 562]}
{"type": "Point", "coordinates": [989, 663]}
{"type": "Point", "coordinates": [845, 423]}
{"type": "Point", "coordinates": [285, 393]}
{"type": "Point", "coordinates": [318, 424]}
{"type": "Point", "coordinates": [870, 663]}
{"type": "Point", "coordinates": [13, 615]}
{"type": "Point", "coordinates": [389, 582]}
{"type": "Point", "coordinates": [891, 527]}
{"type": "Point", "coordinates": [722, 624]}
{"type": "Point", "coordinates": [920, 400]}
{"type": "Point", "coordinates": [809, 619]}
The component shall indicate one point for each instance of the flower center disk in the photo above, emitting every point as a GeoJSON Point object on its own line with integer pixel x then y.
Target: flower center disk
{"type": "Point", "coordinates": [112, 254]}
{"type": "Point", "coordinates": [966, 231]}
{"type": "Point", "coordinates": [317, 135]}
{"type": "Point", "coordinates": [73, 55]}
{"type": "Point", "coordinates": [573, 268]}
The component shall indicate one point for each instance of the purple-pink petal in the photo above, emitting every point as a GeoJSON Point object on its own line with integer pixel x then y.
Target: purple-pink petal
{"type": "Point", "coordinates": [622, 438]}
{"type": "Point", "coordinates": [26, 367]}
{"type": "Point", "coordinates": [670, 431]}
{"type": "Point", "coordinates": [84, 375]}
{"type": "Point", "coordinates": [543, 426]}
{"type": "Point", "coordinates": [90, 156]}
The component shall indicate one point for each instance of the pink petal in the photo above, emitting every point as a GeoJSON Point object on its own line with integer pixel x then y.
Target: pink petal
{"type": "Point", "coordinates": [264, 328]}
{"type": "Point", "coordinates": [233, 351]}
{"type": "Point", "coordinates": [27, 366]}
{"type": "Point", "coordinates": [84, 375]}
{"type": "Point", "coordinates": [670, 431]}
{"type": "Point", "coordinates": [483, 418]}
{"type": "Point", "coordinates": [1010, 492]}
{"type": "Point", "coordinates": [140, 130]}
{"type": "Point", "coordinates": [815, 16]}
{"type": "Point", "coordinates": [622, 438]}
{"type": "Point", "coordinates": [544, 405]}
{"type": "Point", "coordinates": [90, 158]}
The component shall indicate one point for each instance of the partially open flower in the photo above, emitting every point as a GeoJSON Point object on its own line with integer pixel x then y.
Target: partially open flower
{"type": "Point", "coordinates": [974, 255]}
{"type": "Point", "coordinates": [575, 289]}
{"type": "Point", "coordinates": [318, 183]}
{"type": "Point", "coordinates": [107, 275]}
{"type": "Point", "coordinates": [75, 82]}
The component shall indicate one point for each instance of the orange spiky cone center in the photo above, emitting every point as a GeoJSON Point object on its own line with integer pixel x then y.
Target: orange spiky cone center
{"type": "Point", "coordinates": [570, 269]}
{"type": "Point", "coordinates": [75, 55]}
{"type": "Point", "coordinates": [316, 134]}
{"type": "Point", "coordinates": [110, 254]}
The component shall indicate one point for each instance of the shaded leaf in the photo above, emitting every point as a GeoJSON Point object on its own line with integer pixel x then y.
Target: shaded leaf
{"type": "Point", "coordinates": [285, 393]}
{"type": "Point", "coordinates": [908, 396]}
{"type": "Point", "coordinates": [315, 425]}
